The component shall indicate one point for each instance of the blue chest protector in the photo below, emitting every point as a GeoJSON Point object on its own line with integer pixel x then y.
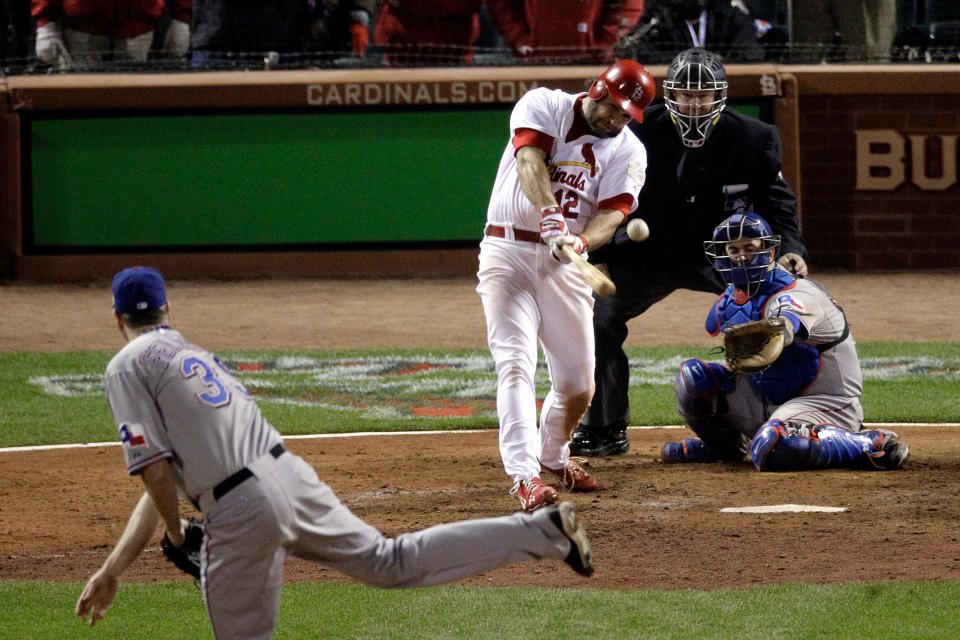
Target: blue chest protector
{"type": "Point", "coordinates": [798, 364]}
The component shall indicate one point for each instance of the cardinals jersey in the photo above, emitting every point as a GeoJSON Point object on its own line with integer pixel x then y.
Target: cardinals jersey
{"type": "Point", "coordinates": [587, 173]}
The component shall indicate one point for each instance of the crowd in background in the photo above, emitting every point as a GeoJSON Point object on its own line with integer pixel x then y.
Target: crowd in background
{"type": "Point", "coordinates": [42, 36]}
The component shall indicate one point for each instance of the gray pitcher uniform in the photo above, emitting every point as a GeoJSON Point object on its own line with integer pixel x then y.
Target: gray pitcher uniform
{"type": "Point", "coordinates": [172, 399]}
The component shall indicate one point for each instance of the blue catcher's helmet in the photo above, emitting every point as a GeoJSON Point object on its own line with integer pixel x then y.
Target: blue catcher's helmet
{"type": "Point", "coordinates": [748, 272]}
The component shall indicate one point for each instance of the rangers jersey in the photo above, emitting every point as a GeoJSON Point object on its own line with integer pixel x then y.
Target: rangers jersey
{"type": "Point", "coordinates": [146, 383]}
{"type": "Point", "coordinates": [822, 359]}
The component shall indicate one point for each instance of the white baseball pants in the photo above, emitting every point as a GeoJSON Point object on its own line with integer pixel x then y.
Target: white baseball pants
{"type": "Point", "coordinates": [528, 296]}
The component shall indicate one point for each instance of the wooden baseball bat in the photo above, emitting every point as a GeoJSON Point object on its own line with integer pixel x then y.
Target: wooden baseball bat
{"type": "Point", "coordinates": [591, 275]}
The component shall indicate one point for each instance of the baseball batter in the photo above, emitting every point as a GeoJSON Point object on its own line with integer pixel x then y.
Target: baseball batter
{"type": "Point", "coordinates": [570, 175]}
{"type": "Point", "coordinates": [801, 412]}
{"type": "Point", "coordinates": [188, 426]}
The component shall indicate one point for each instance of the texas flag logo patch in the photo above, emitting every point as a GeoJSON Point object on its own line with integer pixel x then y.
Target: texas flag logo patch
{"type": "Point", "coordinates": [788, 300]}
{"type": "Point", "coordinates": [133, 435]}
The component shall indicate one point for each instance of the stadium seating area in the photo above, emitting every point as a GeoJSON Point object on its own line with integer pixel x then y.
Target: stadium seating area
{"type": "Point", "coordinates": [926, 31]}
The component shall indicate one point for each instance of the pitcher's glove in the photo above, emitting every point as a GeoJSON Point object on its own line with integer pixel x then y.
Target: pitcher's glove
{"type": "Point", "coordinates": [753, 346]}
{"type": "Point", "coordinates": [187, 555]}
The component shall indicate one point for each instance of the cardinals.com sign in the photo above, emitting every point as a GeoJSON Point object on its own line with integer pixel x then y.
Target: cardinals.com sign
{"type": "Point", "coordinates": [382, 93]}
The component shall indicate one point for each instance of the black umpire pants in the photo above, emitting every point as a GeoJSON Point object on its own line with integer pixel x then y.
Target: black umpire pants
{"type": "Point", "coordinates": [638, 288]}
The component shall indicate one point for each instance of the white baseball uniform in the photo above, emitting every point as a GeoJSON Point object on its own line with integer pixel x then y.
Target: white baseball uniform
{"type": "Point", "coordinates": [172, 399]}
{"type": "Point", "coordinates": [527, 294]}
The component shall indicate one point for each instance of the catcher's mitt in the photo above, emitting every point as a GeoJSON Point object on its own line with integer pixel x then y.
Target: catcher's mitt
{"type": "Point", "coordinates": [753, 346]}
{"type": "Point", "coordinates": [187, 555]}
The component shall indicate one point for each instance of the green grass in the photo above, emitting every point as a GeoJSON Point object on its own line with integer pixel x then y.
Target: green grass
{"type": "Point", "coordinates": [911, 401]}
{"type": "Point", "coordinates": [350, 391]}
{"type": "Point", "coordinates": [863, 611]}
{"type": "Point", "coordinates": [923, 388]}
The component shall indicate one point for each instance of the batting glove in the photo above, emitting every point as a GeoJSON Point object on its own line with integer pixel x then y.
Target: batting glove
{"type": "Point", "coordinates": [578, 244]}
{"type": "Point", "coordinates": [50, 47]}
{"type": "Point", "coordinates": [552, 223]}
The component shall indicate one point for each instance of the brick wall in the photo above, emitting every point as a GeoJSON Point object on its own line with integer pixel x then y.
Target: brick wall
{"type": "Point", "coordinates": [857, 212]}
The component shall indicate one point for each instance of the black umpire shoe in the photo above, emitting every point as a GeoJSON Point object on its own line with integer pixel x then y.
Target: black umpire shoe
{"type": "Point", "coordinates": [599, 441]}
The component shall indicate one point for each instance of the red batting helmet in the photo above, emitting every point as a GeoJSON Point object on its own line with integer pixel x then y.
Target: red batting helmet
{"type": "Point", "coordinates": [628, 84]}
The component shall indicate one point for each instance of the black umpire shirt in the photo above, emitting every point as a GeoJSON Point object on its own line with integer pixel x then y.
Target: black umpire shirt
{"type": "Point", "coordinates": [688, 192]}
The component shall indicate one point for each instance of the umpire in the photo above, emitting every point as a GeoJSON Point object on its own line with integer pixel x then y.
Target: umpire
{"type": "Point", "coordinates": [705, 164]}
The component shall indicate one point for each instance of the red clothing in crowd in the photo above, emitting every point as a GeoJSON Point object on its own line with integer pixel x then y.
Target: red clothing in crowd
{"type": "Point", "coordinates": [116, 19]}
{"type": "Point", "coordinates": [417, 32]}
{"type": "Point", "coordinates": [567, 29]}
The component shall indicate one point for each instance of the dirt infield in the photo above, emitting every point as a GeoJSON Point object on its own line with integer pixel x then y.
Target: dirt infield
{"type": "Point", "coordinates": [652, 525]}
{"type": "Point", "coordinates": [442, 314]}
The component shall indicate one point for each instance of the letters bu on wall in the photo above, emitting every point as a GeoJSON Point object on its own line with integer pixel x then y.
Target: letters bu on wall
{"type": "Point", "coordinates": [882, 159]}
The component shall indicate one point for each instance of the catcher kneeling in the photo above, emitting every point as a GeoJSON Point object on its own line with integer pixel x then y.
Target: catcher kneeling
{"type": "Point", "coordinates": [790, 395]}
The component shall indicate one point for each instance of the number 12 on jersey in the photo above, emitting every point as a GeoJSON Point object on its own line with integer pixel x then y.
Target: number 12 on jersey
{"type": "Point", "coordinates": [568, 201]}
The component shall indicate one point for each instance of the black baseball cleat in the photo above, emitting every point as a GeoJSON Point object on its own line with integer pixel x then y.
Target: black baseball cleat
{"type": "Point", "coordinates": [565, 519]}
{"type": "Point", "coordinates": [889, 451]}
{"type": "Point", "coordinates": [895, 450]}
{"type": "Point", "coordinates": [599, 441]}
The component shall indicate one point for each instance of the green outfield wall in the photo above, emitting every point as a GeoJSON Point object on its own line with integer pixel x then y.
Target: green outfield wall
{"type": "Point", "coordinates": [278, 179]}
{"type": "Point", "coordinates": [262, 179]}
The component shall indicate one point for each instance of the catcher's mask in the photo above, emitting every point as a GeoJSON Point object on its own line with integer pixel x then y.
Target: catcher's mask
{"type": "Point", "coordinates": [695, 70]}
{"type": "Point", "coordinates": [746, 274]}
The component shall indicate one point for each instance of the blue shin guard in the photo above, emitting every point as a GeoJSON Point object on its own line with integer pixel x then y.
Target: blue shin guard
{"type": "Point", "coordinates": [779, 446]}
{"type": "Point", "coordinates": [700, 388]}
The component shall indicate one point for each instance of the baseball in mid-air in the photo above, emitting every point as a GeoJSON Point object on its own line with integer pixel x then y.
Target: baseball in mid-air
{"type": "Point", "coordinates": [638, 230]}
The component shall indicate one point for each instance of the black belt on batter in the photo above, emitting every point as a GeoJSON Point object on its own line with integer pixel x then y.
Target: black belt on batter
{"type": "Point", "coordinates": [518, 234]}
{"type": "Point", "coordinates": [224, 487]}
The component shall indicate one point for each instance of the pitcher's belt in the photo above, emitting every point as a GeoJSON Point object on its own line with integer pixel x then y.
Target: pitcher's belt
{"type": "Point", "coordinates": [518, 234]}
{"type": "Point", "coordinates": [224, 487]}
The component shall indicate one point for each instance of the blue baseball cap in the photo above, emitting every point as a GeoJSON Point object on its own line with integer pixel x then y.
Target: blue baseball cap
{"type": "Point", "coordinates": [138, 289]}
